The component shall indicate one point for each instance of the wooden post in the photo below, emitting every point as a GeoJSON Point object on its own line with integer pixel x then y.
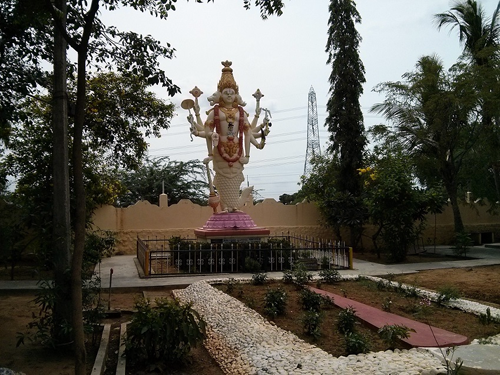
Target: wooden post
{"type": "Point", "coordinates": [351, 265]}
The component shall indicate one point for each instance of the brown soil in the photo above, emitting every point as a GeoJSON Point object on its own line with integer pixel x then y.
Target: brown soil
{"type": "Point", "coordinates": [479, 283]}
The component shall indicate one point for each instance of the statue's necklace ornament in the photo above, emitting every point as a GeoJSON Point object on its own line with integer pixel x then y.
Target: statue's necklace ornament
{"type": "Point", "coordinates": [230, 151]}
{"type": "Point", "coordinates": [230, 113]}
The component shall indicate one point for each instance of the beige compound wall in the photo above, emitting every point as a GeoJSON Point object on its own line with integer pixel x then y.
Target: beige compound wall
{"type": "Point", "coordinates": [162, 221]}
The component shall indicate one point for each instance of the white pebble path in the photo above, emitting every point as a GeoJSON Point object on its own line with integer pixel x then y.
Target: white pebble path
{"type": "Point", "coordinates": [243, 342]}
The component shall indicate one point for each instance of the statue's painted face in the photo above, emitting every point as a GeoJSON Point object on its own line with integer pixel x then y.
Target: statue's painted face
{"type": "Point", "coordinates": [228, 95]}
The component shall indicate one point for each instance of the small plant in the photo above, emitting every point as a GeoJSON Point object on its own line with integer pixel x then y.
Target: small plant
{"type": "Point", "coordinates": [163, 334]}
{"type": "Point", "coordinates": [420, 308]}
{"type": "Point", "coordinates": [390, 334]}
{"type": "Point", "coordinates": [287, 276]}
{"type": "Point", "coordinates": [356, 343]}
{"type": "Point", "coordinates": [452, 367]}
{"type": "Point", "coordinates": [230, 285]}
{"type": "Point", "coordinates": [383, 284]}
{"type": "Point", "coordinates": [330, 276]}
{"type": "Point", "coordinates": [311, 322]}
{"type": "Point", "coordinates": [463, 242]}
{"type": "Point", "coordinates": [411, 291]}
{"type": "Point", "coordinates": [300, 275]}
{"type": "Point", "coordinates": [325, 263]}
{"type": "Point", "coordinates": [252, 265]}
{"type": "Point", "coordinates": [447, 294]}
{"type": "Point", "coordinates": [275, 302]}
{"type": "Point", "coordinates": [346, 320]}
{"type": "Point", "coordinates": [386, 305]}
{"type": "Point", "coordinates": [327, 302]}
{"type": "Point", "coordinates": [259, 278]}
{"type": "Point", "coordinates": [487, 318]}
{"type": "Point", "coordinates": [310, 301]}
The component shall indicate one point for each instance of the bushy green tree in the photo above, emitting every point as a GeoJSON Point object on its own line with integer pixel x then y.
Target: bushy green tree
{"type": "Point", "coordinates": [436, 119]}
{"type": "Point", "coordinates": [179, 180]}
{"type": "Point", "coordinates": [396, 206]}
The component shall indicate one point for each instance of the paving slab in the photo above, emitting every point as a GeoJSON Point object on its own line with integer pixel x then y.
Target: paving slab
{"type": "Point", "coordinates": [425, 336]}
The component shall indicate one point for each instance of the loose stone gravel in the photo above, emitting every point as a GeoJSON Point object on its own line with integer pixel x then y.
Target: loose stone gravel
{"type": "Point", "coordinates": [243, 342]}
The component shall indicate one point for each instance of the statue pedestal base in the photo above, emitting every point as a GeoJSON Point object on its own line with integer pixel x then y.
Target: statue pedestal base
{"type": "Point", "coordinates": [231, 227]}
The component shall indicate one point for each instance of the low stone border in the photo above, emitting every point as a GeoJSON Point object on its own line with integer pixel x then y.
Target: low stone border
{"type": "Point", "coordinates": [243, 342]}
{"type": "Point", "coordinates": [102, 353]}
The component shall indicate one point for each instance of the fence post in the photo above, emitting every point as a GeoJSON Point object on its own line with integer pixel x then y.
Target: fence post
{"type": "Point", "coordinates": [351, 266]}
{"type": "Point", "coordinates": [146, 261]}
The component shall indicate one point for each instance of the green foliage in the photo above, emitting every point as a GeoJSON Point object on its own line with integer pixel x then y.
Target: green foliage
{"type": "Point", "coordinates": [300, 275]}
{"type": "Point", "coordinates": [387, 304]}
{"type": "Point", "coordinates": [311, 320]}
{"type": "Point", "coordinates": [436, 122]}
{"type": "Point", "coordinates": [252, 265]}
{"type": "Point", "coordinates": [347, 320]}
{"type": "Point", "coordinates": [345, 118]}
{"type": "Point", "coordinates": [447, 294]}
{"type": "Point", "coordinates": [463, 242]}
{"type": "Point", "coordinates": [287, 276]}
{"type": "Point", "coordinates": [164, 334]}
{"type": "Point", "coordinates": [259, 278]}
{"type": "Point", "coordinates": [275, 302]}
{"type": "Point", "coordinates": [330, 276]}
{"type": "Point", "coordinates": [391, 334]}
{"type": "Point", "coordinates": [356, 343]}
{"type": "Point", "coordinates": [487, 318]}
{"type": "Point", "coordinates": [395, 205]}
{"type": "Point", "coordinates": [310, 300]}
{"type": "Point", "coordinates": [179, 180]}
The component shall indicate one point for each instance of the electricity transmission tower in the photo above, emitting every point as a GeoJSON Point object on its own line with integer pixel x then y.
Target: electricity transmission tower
{"type": "Point", "coordinates": [313, 145]}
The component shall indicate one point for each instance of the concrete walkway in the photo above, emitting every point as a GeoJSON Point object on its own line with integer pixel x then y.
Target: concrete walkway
{"type": "Point", "coordinates": [126, 276]}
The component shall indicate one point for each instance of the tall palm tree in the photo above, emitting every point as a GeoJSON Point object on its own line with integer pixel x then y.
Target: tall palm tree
{"type": "Point", "coordinates": [433, 117]}
{"type": "Point", "coordinates": [479, 34]}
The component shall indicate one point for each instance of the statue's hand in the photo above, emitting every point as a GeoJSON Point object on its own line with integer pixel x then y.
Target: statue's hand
{"type": "Point", "coordinates": [244, 159]}
{"type": "Point", "coordinates": [208, 159]}
{"type": "Point", "coordinates": [196, 108]}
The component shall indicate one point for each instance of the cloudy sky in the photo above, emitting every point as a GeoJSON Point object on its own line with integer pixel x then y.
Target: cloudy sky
{"type": "Point", "coordinates": [284, 57]}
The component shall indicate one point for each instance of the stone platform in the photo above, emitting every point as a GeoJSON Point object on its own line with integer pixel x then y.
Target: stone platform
{"type": "Point", "coordinates": [231, 226]}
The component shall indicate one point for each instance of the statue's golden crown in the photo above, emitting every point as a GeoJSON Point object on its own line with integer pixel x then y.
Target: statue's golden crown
{"type": "Point", "coordinates": [227, 79]}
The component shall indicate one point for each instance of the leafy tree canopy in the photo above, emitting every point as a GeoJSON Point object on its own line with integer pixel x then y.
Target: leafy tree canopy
{"type": "Point", "coordinates": [179, 180]}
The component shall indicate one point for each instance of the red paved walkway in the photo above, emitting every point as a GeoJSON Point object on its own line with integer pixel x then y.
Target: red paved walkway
{"type": "Point", "coordinates": [423, 335]}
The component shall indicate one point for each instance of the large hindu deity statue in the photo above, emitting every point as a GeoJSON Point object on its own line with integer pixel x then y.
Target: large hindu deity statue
{"type": "Point", "coordinates": [228, 134]}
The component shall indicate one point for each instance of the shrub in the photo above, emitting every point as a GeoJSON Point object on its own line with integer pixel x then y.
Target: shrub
{"type": "Point", "coordinates": [356, 343]}
{"type": "Point", "coordinates": [310, 301]}
{"type": "Point", "coordinates": [311, 321]}
{"type": "Point", "coordinates": [287, 276]}
{"type": "Point", "coordinates": [330, 276]}
{"type": "Point", "coordinates": [300, 275]}
{"type": "Point", "coordinates": [447, 294]}
{"type": "Point", "coordinates": [487, 318]}
{"type": "Point", "coordinates": [275, 302]}
{"type": "Point", "coordinates": [163, 334]}
{"type": "Point", "coordinates": [347, 320]}
{"type": "Point", "coordinates": [252, 265]}
{"type": "Point", "coordinates": [462, 243]}
{"type": "Point", "coordinates": [390, 334]}
{"type": "Point", "coordinates": [259, 278]}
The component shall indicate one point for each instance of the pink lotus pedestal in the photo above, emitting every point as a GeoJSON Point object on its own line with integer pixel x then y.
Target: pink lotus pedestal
{"type": "Point", "coordinates": [232, 225]}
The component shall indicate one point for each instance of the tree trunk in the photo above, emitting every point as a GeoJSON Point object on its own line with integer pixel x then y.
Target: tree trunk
{"type": "Point", "coordinates": [61, 199]}
{"type": "Point", "coordinates": [80, 216]}
{"type": "Point", "coordinates": [457, 216]}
